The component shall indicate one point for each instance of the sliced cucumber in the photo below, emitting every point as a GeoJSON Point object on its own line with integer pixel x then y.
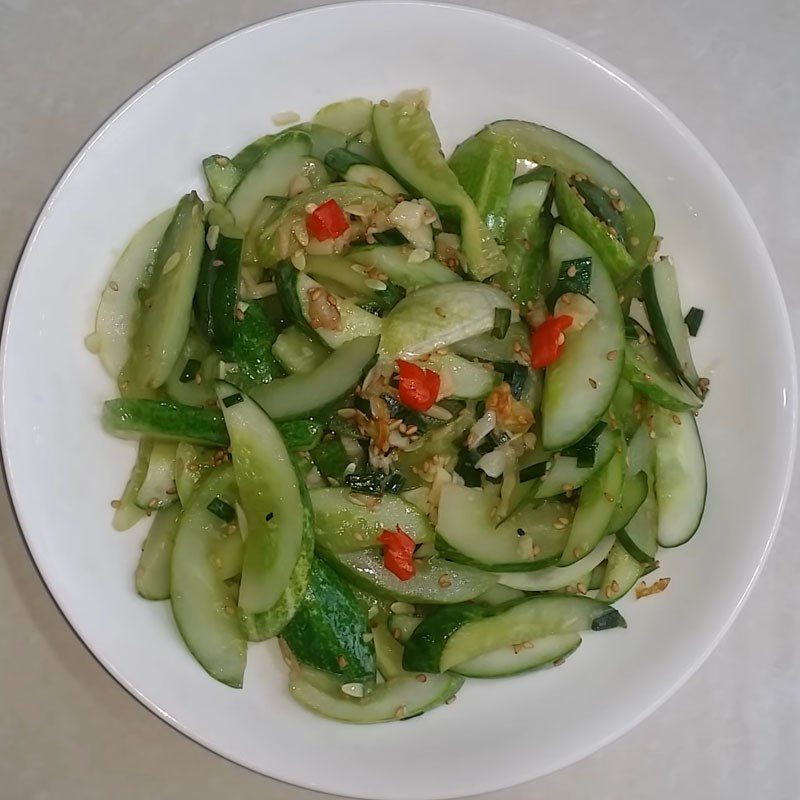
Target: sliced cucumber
{"type": "Point", "coordinates": [438, 316]}
{"type": "Point", "coordinates": [410, 145]}
{"type": "Point", "coordinates": [392, 261]}
{"type": "Point", "coordinates": [545, 652]}
{"type": "Point", "coordinates": [388, 651]}
{"type": "Point", "coordinates": [204, 606]}
{"type": "Point", "coordinates": [167, 302]}
{"type": "Point", "coordinates": [329, 628]}
{"type": "Point", "coordinates": [344, 525]}
{"type": "Point", "coordinates": [346, 116]}
{"type": "Point", "coordinates": [222, 176]}
{"type": "Point", "coordinates": [490, 348]}
{"type": "Point", "coordinates": [271, 175]}
{"type": "Point", "coordinates": [639, 536]}
{"type": "Point", "coordinates": [377, 178]}
{"type": "Point", "coordinates": [323, 137]}
{"type": "Point", "coordinates": [436, 582]}
{"type": "Point", "coordinates": [158, 487]}
{"type": "Point", "coordinates": [579, 386]}
{"type": "Point", "coordinates": [280, 527]}
{"type": "Point", "coordinates": [484, 165]}
{"type": "Point", "coordinates": [247, 156]}
{"type": "Point", "coordinates": [624, 407]}
{"type": "Point", "coordinates": [680, 476]}
{"type": "Point", "coordinates": [401, 626]}
{"type": "Point", "coordinates": [622, 572]}
{"type": "Point", "coordinates": [634, 492]}
{"type": "Point", "coordinates": [546, 146]}
{"type": "Point", "coordinates": [126, 512]}
{"type": "Point", "coordinates": [198, 389]}
{"type": "Point", "coordinates": [499, 594]}
{"type": "Point", "coordinates": [249, 359]}
{"type": "Point", "coordinates": [267, 214]}
{"type": "Point", "coordinates": [152, 572]}
{"type": "Point", "coordinates": [297, 351]}
{"type": "Point", "coordinates": [646, 371]}
{"type": "Point", "coordinates": [227, 552]}
{"type": "Point", "coordinates": [553, 578]}
{"type": "Point", "coordinates": [462, 378]}
{"type": "Point", "coordinates": [399, 697]}
{"type": "Point", "coordinates": [454, 635]}
{"type": "Point", "coordinates": [660, 291]}
{"type": "Point", "coordinates": [118, 312]}
{"type": "Point", "coordinates": [467, 532]}
{"type": "Point", "coordinates": [305, 394]}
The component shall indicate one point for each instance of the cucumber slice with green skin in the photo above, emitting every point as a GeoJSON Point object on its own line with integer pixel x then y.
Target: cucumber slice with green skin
{"type": "Point", "coordinates": [300, 435]}
{"type": "Point", "coordinates": [500, 594]}
{"type": "Point", "coordinates": [126, 512]}
{"type": "Point", "coordinates": [468, 533]}
{"type": "Point", "coordinates": [484, 165]}
{"type": "Point", "coordinates": [454, 635]}
{"type": "Point", "coordinates": [251, 351]}
{"type": "Point", "coordinates": [323, 138]}
{"type": "Point", "coordinates": [392, 261]}
{"type": "Point", "coordinates": [400, 697]}
{"type": "Point", "coordinates": [639, 536]}
{"type": "Point", "coordinates": [267, 213]}
{"type": "Point", "coordinates": [271, 175]}
{"type": "Point", "coordinates": [601, 204]}
{"type": "Point", "coordinates": [564, 474]}
{"type": "Point", "coordinates": [552, 148]}
{"type": "Point", "coordinates": [247, 156]}
{"type": "Point", "coordinates": [222, 176]}
{"type": "Point", "coordinates": [186, 389]}
{"type": "Point", "coordinates": [331, 459]}
{"type": "Point", "coordinates": [663, 303]}
{"type": "Point", "coordinates": [553, 578]}
{"type": "Point", "coordinates": [388, 651]}
{"type": "Point", "coordinates": [273, 239]}
{"type": "Point", "coordinates": [280, 521]}
{"type": "Point", "coordinates": [349, 117]}
{"type": "Point", "coordinates": [167, 303]}
{"type": "Point", "coordinates": [579, 385]}
{"type": "Point", "coordinates": [158, 487]}
{"type": "Point", "coordinates": [462, 378]}
{"type": "Point", "coordinates": [623, 407]}
{"type": "Point", "coordinates": [203, 605]}
{"type": "Point", "coordinates": [490, 348]}
{"type": "Point", "coordinates": [328, 630]}
{"type": "Point", "coordinates": [401, 626]}
{"type": "Point", "coordinates": [306, 394]}
{"type": "Point", "coordinates": [298, 352]}
{"type": "Point", "coordinates": [598, 500]}
{"type": "Point", "coordinates": [407, 140]}
{"type": "Point", "coordinates": [646, 371]}
{"type": "Point", "coordinates": [120, 305]}
{"type": "Point", "coordinates": [549, 651]}
{"type": "Point", "coordinates": [574, 214]}
{"type": "Point", "coordinates": [344, 525]}
{"type": "Point", "coordinates": [227, 553]}
{"type": "Point", "coordinates": [438, 316]}
{"type": "Point", "coordinates": [340, 160]}
{"type": "Point", "coordinates": [152, 572]}
{"type": "Point", "coordinates": [294, 288]}
{"type": "Point", "coordinates": [224, 294]}
{"type": "Point", "coordinates": [622, 572]}
{"type": "Point", "coordinates": [680, 476]}
{"type": "Point", "coordinates": [377, 178]}
{"type": "Point", "coordinates": [634, 492]}
{"type": "Point", "coordinates": [436, 582]}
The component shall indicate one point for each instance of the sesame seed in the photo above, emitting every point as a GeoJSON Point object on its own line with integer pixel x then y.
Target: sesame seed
{"type": "Point", "coordinates": [116, 503]}
{"type": "Point", "coordinates": [608, 496]}
{"type": "Point", "coordinates": [611, 355]}
{"type": "Point", "coordinates": [217, 262]}
{"type": "Point", "coordinates": [367, 637]}
{"type": "Point", "coordinates": [652, 434]}
{"type": "Point", "coordinates": [634, 241]}
{"type": "Point", "coordinates": [198, 379]}
{"type": "Point", "coordinates": [153, 502]}
{"type": "Point", "coordinates": [572, 271]}
{"type": "Point", "coordinates": [608, 591]}
{"type": "Point", "coordinates": [342, 662]}
{"type": "Point", "coordinates": [564, 520]}
{"type": "Point", "coordinates": [536, 550]}
{"type": "Point", "coordinates": [558, 662]}
{"type": "Point", "coordinates": [593, 383]}
{"type": "Point", "coordinates": [444, 581]}
{"type": "Point", "coordinates": [614, 587]}
{"type": "Point", "coordinates": [528, 645]}
{"type": "Point", "coordinates": [582, 588]}
{"type": "Point", "coordinates": [614, 192]}
{"type": "Point", "coordinates": [440, 312]}
{"type": "Point", "coordinates": [676, 419]}
{"type": "Point", "coordinates": [222, 161]}
{"type": "Point", "coordinates": [113, 285]}
{"type": "Point", "coordinates": [642, 338]}
{"type": "Point", "coordinates": [577, 552]}
{"type": "Point", "coordinates": [401, 608]}
{"type": "Point", "coordinates": [450, 700]}
{"type": "Point", "coordinates": [559, 526]}
{"type": "Point", "coordinates": [422, 678]}
{"type": "Point", "coordinates": [401, 712]}
{"type": "Point", "coordinates": [648, 377]}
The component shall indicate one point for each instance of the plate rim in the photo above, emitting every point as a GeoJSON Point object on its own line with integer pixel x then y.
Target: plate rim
{"type": "Point", "coordinates": [752, 232]}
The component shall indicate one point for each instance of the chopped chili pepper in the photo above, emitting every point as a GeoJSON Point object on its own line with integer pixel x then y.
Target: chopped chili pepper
{"type": "Point", "coordinates": [398, 553]}
{"type": "Point", "coordinates": [327, 221]}
{"type": "Point", "coordinates": [548, 339]}
{"type": "Point", "coordinates": [418, 388]}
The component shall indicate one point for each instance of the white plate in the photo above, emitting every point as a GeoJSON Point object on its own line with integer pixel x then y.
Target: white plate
{"type": "Point", "coordinates": [63, 470]}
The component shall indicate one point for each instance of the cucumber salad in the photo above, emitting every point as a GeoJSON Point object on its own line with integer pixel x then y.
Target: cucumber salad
{"type": "Point", "coordinates": [419, 418]}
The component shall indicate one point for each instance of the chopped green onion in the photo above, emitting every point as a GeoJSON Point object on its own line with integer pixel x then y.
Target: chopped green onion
{"type": "Point", "coordinates": [515, 375]}
{"type": "Point", "coordinates": [394, 483]}
{"type": "Point", "coordinates": [575, 277]}
{"type": "Point", "coordinates": [693, 320]}
{"type": "Point", "coordinates": [190, 370]}
{"type": "Point", "coordinates": [532, 472]}
{"type": "Point", "coordinates": [232, 400]}
{"type": "Point", "coordinates": [219, 508]}
{"type": "Point", "coordinates": [585, 449]}
{"type": "Point", "coordinates": [467, 470]}
{"type": "Point", "coordinates": [631, 328]}
{"type": "Point", "coordinates": [502, 322]}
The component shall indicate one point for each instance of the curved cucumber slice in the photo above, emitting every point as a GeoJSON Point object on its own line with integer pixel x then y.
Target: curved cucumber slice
{"type": "Point", "coordinates": [500, 594]}
{"type": "Point", "coordinates": [280, 521]}
{"type": "Point", "coordinates": [634, 492]}
{"type": "Point", "coordinates": [388, 651]}
{"type": "Point", "coordinates": [546, 146]}
{"type": "Point", "coordinates": [377, 178]}
{"type": "Point", "coordinates": [343, 525]}
{"type": "Point", "coordinates": [438, 316]}
{"type": "Point", "coordinates": [271, 175]}
{"type": "Point", "coordinates": [158, 487]}
{"type": "Point", "coordinates": [456, 634]}
{"type": "Point", "coordinates": [222, 176]}
{"type": "Point", "coordinates": [436, 581]}
{"type": "Point", "coordinates": [399, 697]}
{"type": "Point", "coordinates": [639, 536]}
{"type": "Point", "coordinates": [462, 378]}
{"type": "Point", "coordinates": [545, 652]}
{"type": "Point", "coordinates": [622, 572]}
{"type": "Point", "coordinates": [490, 348]}
{"type": "Point", "coordinates": [467, 531]}
{"type": "Point", "coordinates": [349, 117]}
{"type": "Point", "coordinates": [663, 303]}
{"type": "Point", "coordinates": [127, 513]}
{"type": "Point", "coordinates": [120, 304]}
{"type": "Point", "coordinates": [304, 394]}
{"type": "Point", "coordinates": [680, 476]}
{"type": "Point", "coordinates": [181, 386]}
{"type": "Point", "coordinates": [579, 386]}
{"type": "Point", "coordinates": [297, 351]}
{"type": "Point", "coordinates": [410, 145]}
{"type": "Point", "coordinates": [203, 605]}
{"type": "Point", "coordinates": [152, 572]}
{"type": "Point", "coordinates": [167, 303]}
{"type": "Point", "coordinates": [392, 261]}
{"type": "Point", "coordinates": [553, 578]}
{"type": "Point", "coordinates": [401, 626]}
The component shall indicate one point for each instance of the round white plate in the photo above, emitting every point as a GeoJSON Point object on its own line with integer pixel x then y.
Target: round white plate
{"type": "Point", "coordinates": [63, 470]}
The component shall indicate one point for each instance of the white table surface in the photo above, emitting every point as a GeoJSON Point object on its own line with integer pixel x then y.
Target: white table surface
{"type": "Point", "coordinates": [731, 70]}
